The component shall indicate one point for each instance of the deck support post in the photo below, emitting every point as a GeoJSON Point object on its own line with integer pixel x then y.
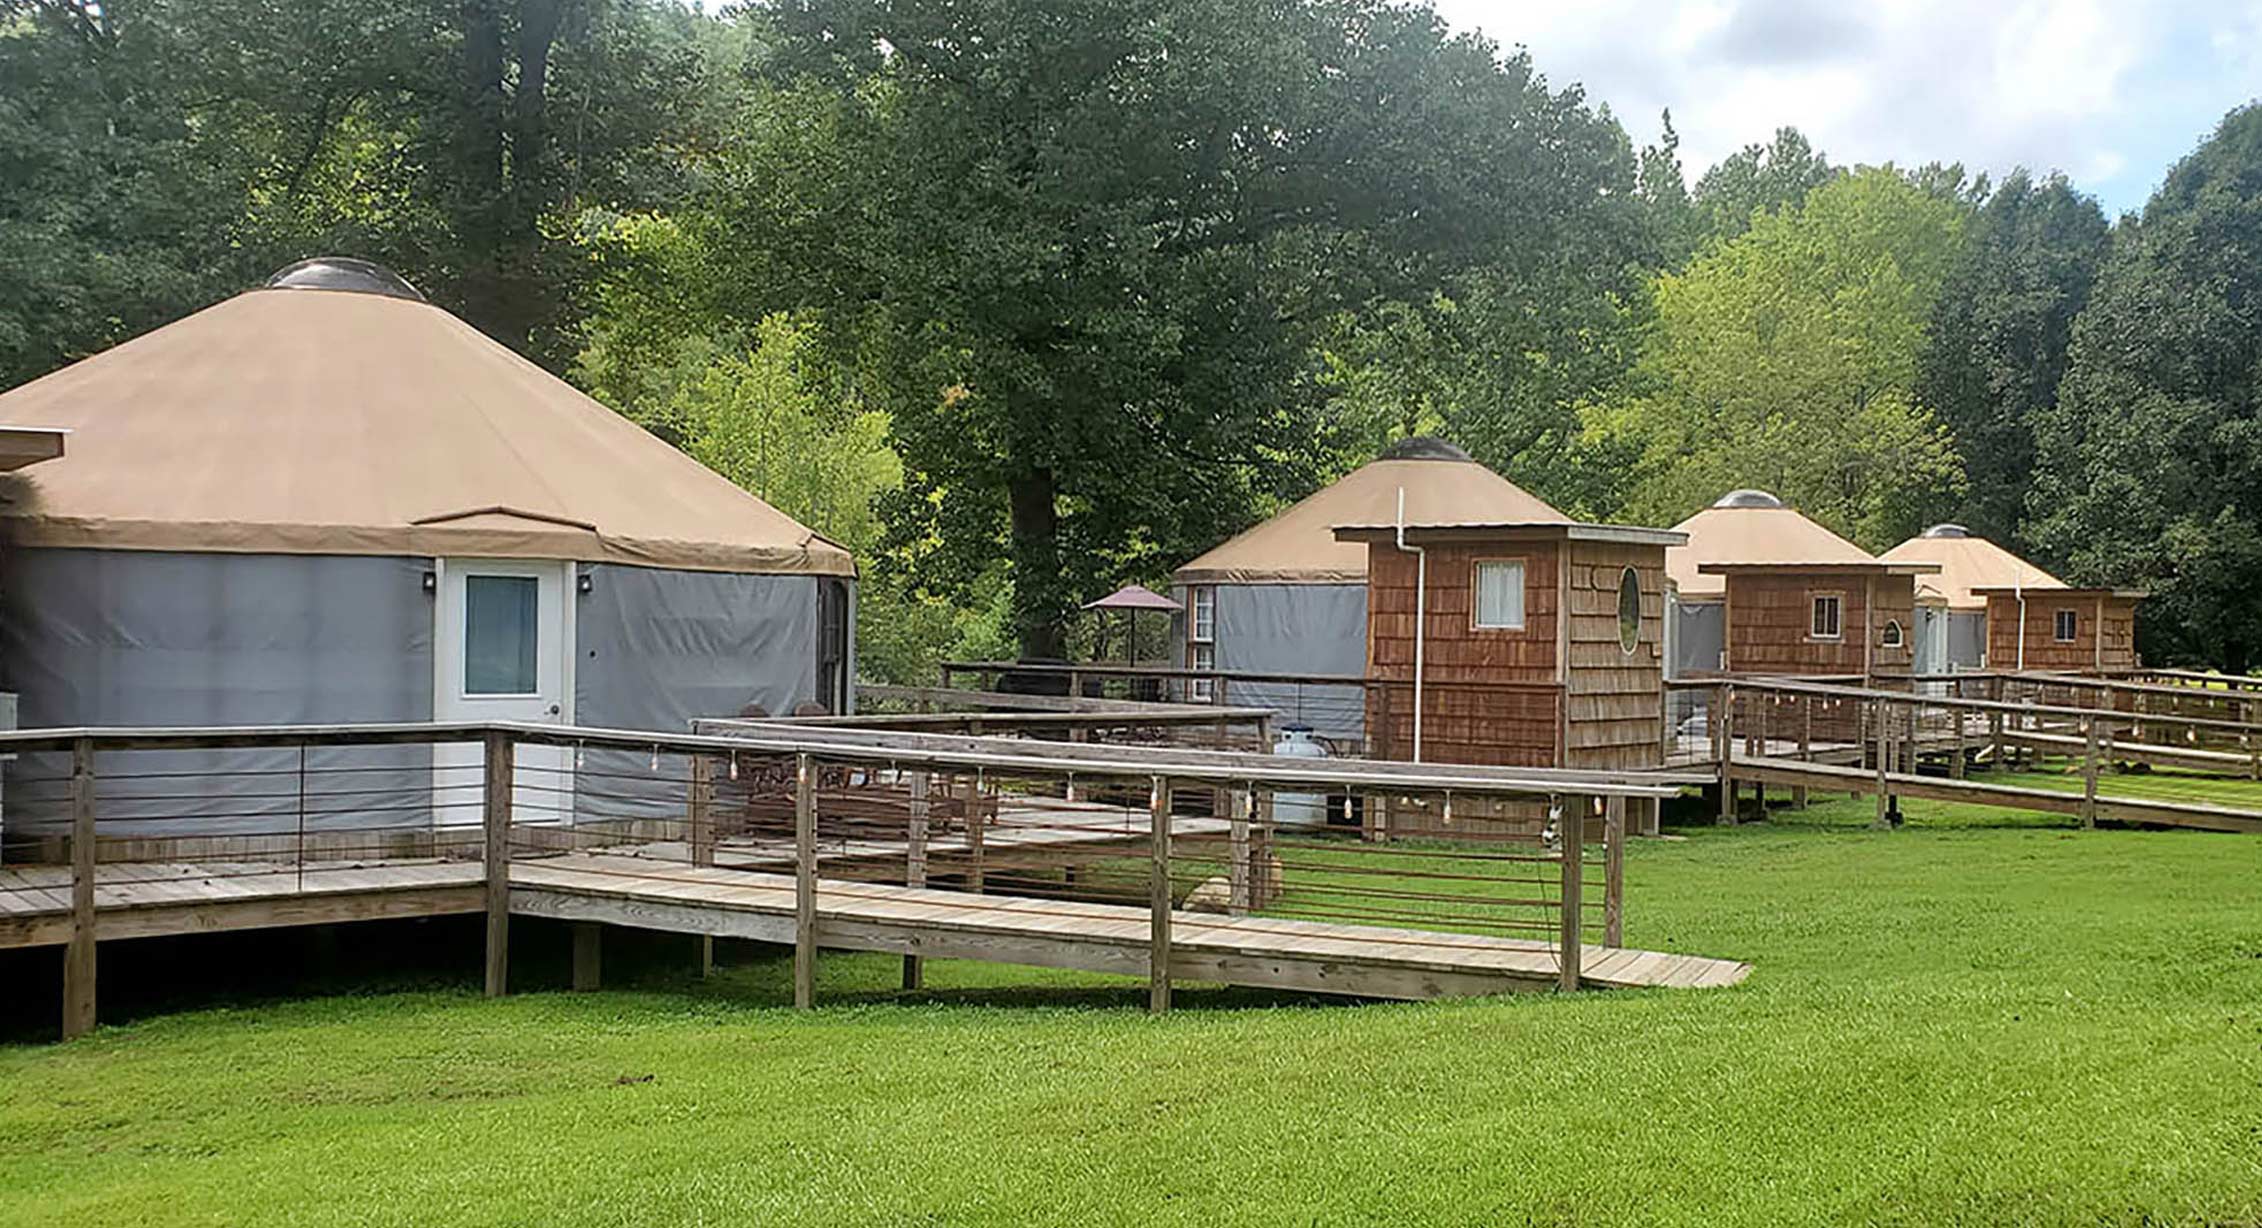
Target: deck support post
{"type": "Point", "coordinates": [78, 957]}
{"type": "Point", "coordinates": [1264, 885]}
{"type": "Point", "coordinates": [495, 821]}
{"type": "Point", "coordinates": [975, 856]}
{"type": "Point", "coordinates": [1568, 943]}
{"type": "Point", "coordinates": [2089, 731]}
{"type": "Point", "coordinates": [1614, 872]}
{"type": "Point", "coordinates": [804, 882]}
{"type": "Point", "coordinates": [1806, 747]}
{"type": "Point", "coordinates": [1956, 715]}
{"type": "Point", "coordinates": [702, 811]}
{"type": "Point", "coordinates": [588, 955]}
{"type": "Point", "coordinates": [1884, 751]}
{"type": "Point", "coordinates": [915, 867]}
{"type": "Point", "coordinates": [1158, 896]}
{"type": "Point", "coordinates": [1725, 747]}
{"type": "Point", "coordinates": [1237, 841]}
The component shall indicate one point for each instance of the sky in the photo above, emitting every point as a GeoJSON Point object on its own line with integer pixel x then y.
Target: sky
{"type": "Point", "coordinates": [2110, 94]}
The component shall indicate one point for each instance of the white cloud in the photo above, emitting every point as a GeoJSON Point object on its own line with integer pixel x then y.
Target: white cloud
{"type": "Point", "coordinates": [2110, 94]}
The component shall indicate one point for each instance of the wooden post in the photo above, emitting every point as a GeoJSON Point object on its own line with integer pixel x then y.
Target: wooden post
{"type": "Point", "coordinates": [1806, 747]}
{"type": "Point", "coordinates": [1614, 872]}
{"type": "Point", "coordinates": [2089, 772]}
{"type": "Point", "coordinates": [702, 811]}
{"type": "Point", "coordinates": [1078, 734]}
{"type": "Point", "coordinates": [804, 882]}
{"type": "Point", "coordinates": [1912, 731]}
{"type": "Point", "coordinates": [1237, 841]}
{"type": "Point", "coordinates": [495, 818]}
{"type": "Point", "coordinates": [1956, 715]}
{"type": "Point", "coordinates": [78, 957]}
{"type": "Point", "coordinates": [1568, 942]}
{"type": "Point", "coordinates": [974, 850]}
{"type": "Point", "coordinates": [1158, 896]}
{"type": "Point", "coordinates": [588, 955]}
{"type": "Point", "coordinates": [1884, 750]}
{"type": "Point", "coordinates": [1726, 747]}
{"type": "Point", "coordinates": [1263, 885]}
{"type": "Point", "coordinates": [915, 867]}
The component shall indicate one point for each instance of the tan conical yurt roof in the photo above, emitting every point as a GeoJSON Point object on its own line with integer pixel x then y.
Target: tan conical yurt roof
{"type": "Point", "coordinates": [1967, 563]}
{"type": "Point", "coordinates": [1443, 488]}
{"type": "Point", "coordinates": [335, 417]}
{"type": "Point", "coordinates": [1750, 526]}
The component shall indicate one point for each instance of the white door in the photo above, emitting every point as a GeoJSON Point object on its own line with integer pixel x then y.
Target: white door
{"type": "Point", "coordinates": [503, 650]}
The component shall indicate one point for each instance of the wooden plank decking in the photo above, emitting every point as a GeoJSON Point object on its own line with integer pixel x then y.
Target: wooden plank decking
{"type": "Point", "coordinates": [148, 899]}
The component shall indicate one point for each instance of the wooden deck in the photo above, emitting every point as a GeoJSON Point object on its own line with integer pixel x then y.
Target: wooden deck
{"type": "Point", "coordinates": [1840, 779]}
{"type": "Point", "coordinates": [1026, 831]}
{"type": "Point", "coordinates": [150, 899]}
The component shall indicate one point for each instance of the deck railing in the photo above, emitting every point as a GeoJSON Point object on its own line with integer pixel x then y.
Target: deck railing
{"type": "Point", "coordinates": [1956, 724]}
{"type": "Point", "coordinates": [1419, 855]}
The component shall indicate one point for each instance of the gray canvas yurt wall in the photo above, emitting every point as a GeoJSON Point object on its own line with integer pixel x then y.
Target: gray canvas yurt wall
{"type": "Point", "coordinates": [150, 638]}
{"type": "Point", "coordinates": [1297, 629]}
{"type": "Point", "coordinates": [660, 648]}
{"type": "Point", "coordinates": [1700, 636]}
{"type": "Point", "coordinates": [156, 638]}
{"type": "Point", "coordinates": [1967, 639]}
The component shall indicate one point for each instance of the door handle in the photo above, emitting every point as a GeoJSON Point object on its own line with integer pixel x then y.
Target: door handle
{"type": "Point", "coordinates": [553, 709]}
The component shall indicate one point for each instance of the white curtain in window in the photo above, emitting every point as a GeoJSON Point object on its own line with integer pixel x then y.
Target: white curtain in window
{"type": "Point", "coordinates": [1500, 594]}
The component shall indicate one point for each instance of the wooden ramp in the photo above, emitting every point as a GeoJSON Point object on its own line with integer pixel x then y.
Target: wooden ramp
{"type": "Point", "coordinates": [149, 899]}
{"type": "Point", "coordinates": [1833, 778]}
{"type": "Point", "coordinates": [1366, 961]}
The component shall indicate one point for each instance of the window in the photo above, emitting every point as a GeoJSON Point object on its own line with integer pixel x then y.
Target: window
{"type": "Point", "coordinates": [1203, 628]}
{"type": "Point", "coordinates": [499, 633]}
{"type": "Point", "coordinates": [1892, 633]}
{"type": "Point", "coordinates": [2067, 625]}
{"type": "Point", "coordinates": [1202, 690]}
{"type": "Point", "coordinates": [1629, 611]}
{"type": "Point", "coordinates": [1828, 610]}
{"type": "Point", "coordinates": [1500, 595]}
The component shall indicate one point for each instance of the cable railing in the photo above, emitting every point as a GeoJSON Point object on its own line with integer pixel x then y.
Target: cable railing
{"type": "Point", "coordinates": [2044, 729]}
{"type": "Point", "coordinates": [876, 838]}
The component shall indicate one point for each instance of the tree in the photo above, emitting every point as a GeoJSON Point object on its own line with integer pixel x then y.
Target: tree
{"type": "Point", "coordinates": [1756, 180]}
{"type": "Point", "coordinates": [2148, 470]}
{"type": "Point", "coordinates": [1999, 335]}
{"type": "Point", "coordinates": [1084, 253]}
{"type": "Point", "coordinates": [1676, 226]}
{"type": "Point", "coordinates": [163, 154]}
{"type": "Point", "coordinates": [1785, 359]}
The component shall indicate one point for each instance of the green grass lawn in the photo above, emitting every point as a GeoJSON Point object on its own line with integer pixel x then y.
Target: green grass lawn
{"type": "Point", "coordinates": [1963, 1021]}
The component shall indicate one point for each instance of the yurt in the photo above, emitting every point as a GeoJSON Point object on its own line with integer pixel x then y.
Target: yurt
{"type": "Point", "coordinates": [1288, 597]}
{"type": "Point", "coordinates": [1760, 588]}
{"type": "Point", "coordinates": [327, 500]}
{"type": "Point", "coordinates": [1958, 639]}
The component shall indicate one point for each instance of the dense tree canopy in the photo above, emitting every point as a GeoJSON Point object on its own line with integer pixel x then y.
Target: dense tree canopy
{"type": "Point", "coordinates": [1113, 233]}
{"type": "Point", "coordinates": [1997, 348]}
{"type": "Point", "coordinates": [2149, 468]}
{"type": "Point", "coordinates": [1785, 358]}
{"type": "Point", "coordinates": [1023, 301]}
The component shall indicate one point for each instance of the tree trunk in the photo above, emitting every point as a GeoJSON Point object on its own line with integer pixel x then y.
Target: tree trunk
{"type": "Point", "coordinates": [504, 154]}
{"type": "Point", "coordinates": [1038, 602]}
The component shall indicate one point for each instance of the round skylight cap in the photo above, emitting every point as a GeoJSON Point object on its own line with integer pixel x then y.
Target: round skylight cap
{"type": "Point", "coordinates": [343, 273]}
{"type": "Point", "coordinates": [1424, 447]}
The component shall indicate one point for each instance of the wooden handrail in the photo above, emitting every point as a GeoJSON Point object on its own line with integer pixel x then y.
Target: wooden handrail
{"type": "Point", "coordinates": [2113, 716]}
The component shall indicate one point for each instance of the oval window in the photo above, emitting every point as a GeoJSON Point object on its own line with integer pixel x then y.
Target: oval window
{"type": "Point", "coordinates": [1629, 611]}
{"type": "Point", "coordinates": [1892, 633]}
